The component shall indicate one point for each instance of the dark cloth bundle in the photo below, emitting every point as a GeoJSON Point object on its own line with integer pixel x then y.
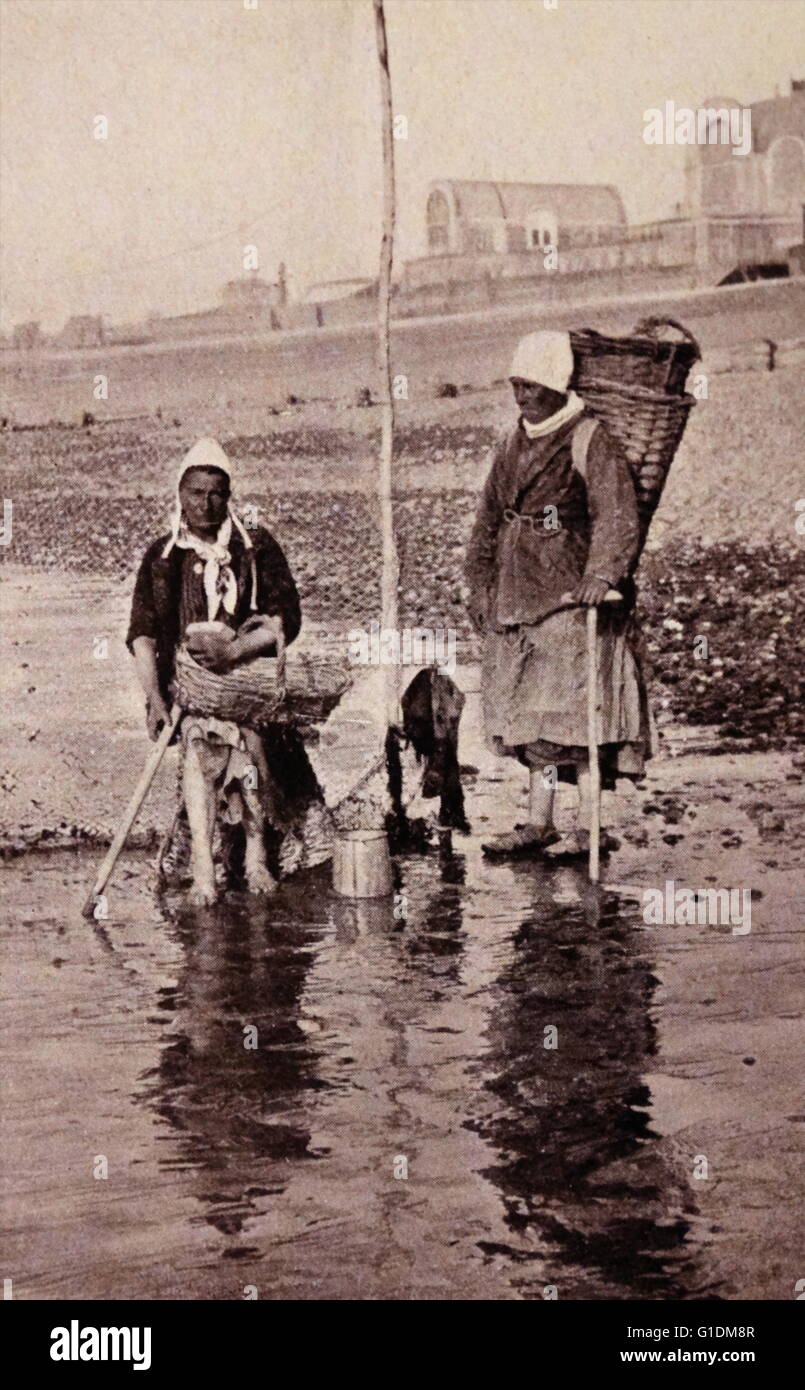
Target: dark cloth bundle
{"type": "Point", "coordinates": [431, 710]}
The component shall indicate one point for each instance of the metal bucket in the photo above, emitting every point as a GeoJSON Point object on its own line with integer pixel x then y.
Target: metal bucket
{"type": "Point", "coordinates": [362, 864]}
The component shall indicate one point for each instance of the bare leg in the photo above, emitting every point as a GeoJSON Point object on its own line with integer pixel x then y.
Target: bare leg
{"type": "Point", "coordinates": [577, 843]}
{"type": "Point", "coordinates": [538, 832]}
{"type": "Point", "coordinates": [258, 875]}
{"type": "Point", "coordinates": [540, 800]}
{"type": "Point", "coordinates": [253, 792]}
{"type": "Point", "coordinates": [200, 798]}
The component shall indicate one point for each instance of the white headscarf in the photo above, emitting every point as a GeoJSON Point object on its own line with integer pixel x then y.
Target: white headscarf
{"type": "Point", "coordinates": [547, 359]}
{"type": "Point", "coordinates": [220, 584]}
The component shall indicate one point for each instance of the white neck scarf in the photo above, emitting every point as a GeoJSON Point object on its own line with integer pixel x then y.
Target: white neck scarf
{"type": "Point", "coordinates": [220, 584]}
{"type": "Point", "coordinates": [573, 406]}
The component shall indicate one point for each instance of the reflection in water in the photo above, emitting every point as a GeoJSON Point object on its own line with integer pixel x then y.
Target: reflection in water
{"type": "Point", "coordinates": [236, 1096]}
{"type": "Point", "coordinates": [436, 920]}
{"type": "Point", "coordinates": [576, 1162]}
{"type": "Point", "coordinates": [377, 1037]}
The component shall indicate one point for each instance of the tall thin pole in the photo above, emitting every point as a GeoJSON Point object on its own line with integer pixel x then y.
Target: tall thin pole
{"type": "Point", "coordinates": [390, 572]}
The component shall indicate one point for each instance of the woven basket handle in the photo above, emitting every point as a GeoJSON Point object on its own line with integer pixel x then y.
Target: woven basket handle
{"type": "Point", "coordinates": [652, 326]}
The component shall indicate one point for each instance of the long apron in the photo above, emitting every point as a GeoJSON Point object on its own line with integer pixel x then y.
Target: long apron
{"type": "Point", "coordinates": [535, 694]}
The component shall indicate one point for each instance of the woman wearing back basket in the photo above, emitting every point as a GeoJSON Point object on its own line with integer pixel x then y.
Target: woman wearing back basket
{"type": "Point", "coordinates": [227, 594]}
{"type": "Point", "coordinates": [556, 531]}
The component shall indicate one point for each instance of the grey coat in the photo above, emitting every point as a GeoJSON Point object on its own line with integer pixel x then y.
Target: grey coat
{"type": "Point", "coordinates": [541, 527]}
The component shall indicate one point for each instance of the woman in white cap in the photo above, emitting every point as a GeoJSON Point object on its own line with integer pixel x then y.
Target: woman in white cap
{"type": "Point", "coordinates": [556, 529]}
{"type": "Point", "coordinates": [211, 570]}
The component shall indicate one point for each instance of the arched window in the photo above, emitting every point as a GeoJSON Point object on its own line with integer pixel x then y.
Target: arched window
{"type": "Point", "coordinates": [438, 221]}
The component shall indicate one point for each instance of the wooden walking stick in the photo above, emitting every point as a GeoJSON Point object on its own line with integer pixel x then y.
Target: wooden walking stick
{"type": "Point", "coordinates": [593, 733]}
{"type": "Point", "coordinates": [132, 810]}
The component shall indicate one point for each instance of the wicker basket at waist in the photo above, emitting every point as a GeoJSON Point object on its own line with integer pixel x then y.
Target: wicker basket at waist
{"type": "Point", "coordinates": [268, 690]}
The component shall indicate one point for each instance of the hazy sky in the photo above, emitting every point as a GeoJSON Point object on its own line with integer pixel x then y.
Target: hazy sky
{"type": "Point", "coordinates": [230, 126]}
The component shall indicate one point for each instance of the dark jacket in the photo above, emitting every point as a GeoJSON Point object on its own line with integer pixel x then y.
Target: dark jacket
{"type": "Point", "coordinates": [518, 572]}
{"type": "Point", "coordinates": [157, 594]}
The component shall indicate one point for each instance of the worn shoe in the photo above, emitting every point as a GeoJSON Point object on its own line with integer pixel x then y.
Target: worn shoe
{"type": "Point", "coordinates": [523, 842]}
{"type": "Point", "coordinates": [576, 845]}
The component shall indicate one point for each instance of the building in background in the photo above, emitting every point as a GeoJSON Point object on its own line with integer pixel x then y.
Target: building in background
{"type": "Point", "coordinates": [469, 217]}
{"type": "Point", "coordinates": [769, 180]}
{"type": "Point", "coordinates": [332, 291]}
{"type": "Point", "coordinates": [249, 305]}
{"type": "Point", "coordinates": [796, 253]}
{"type": "Point", "coordinates": [328, 303]}
{"type": "Point", "coordinates": [486, 241]}
{"type": "Point", "coordinates": [746, 209]}
{"type": "Point", "coordinates": [25, 337]}
{"type": "Point", "coordinates": [496, 232]}
{"type": "Point", "coordinates": [83, 330]}
{"type": "Point", "coordinates": [250, 295]}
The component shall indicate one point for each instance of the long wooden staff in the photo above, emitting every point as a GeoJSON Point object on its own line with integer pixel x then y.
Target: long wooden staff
{"type": "Point", "coordinates": [593, 734]}
{"type": "Point", "coordinates": [391, 569]}
{"type": "Point", "coordinates": [132, 810]}
{"type": "Point", "coordinates": [592, 742]}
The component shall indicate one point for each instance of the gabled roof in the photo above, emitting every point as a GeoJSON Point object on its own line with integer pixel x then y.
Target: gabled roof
{"type": "Point", "coordinates": [582, 204]}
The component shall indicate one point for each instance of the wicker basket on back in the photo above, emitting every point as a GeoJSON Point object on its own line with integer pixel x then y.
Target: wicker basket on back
{"type": "Point", "coordinates": [268, 690]}
{"type": "Point", "coordinates": [636, 386]}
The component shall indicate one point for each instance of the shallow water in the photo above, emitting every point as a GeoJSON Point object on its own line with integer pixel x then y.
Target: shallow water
{"type": "Point", "coordinates": [383, 1047]}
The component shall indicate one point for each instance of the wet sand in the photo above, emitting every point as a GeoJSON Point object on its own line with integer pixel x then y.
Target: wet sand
{"type": "Point", "coordinates": [273, 1167]}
